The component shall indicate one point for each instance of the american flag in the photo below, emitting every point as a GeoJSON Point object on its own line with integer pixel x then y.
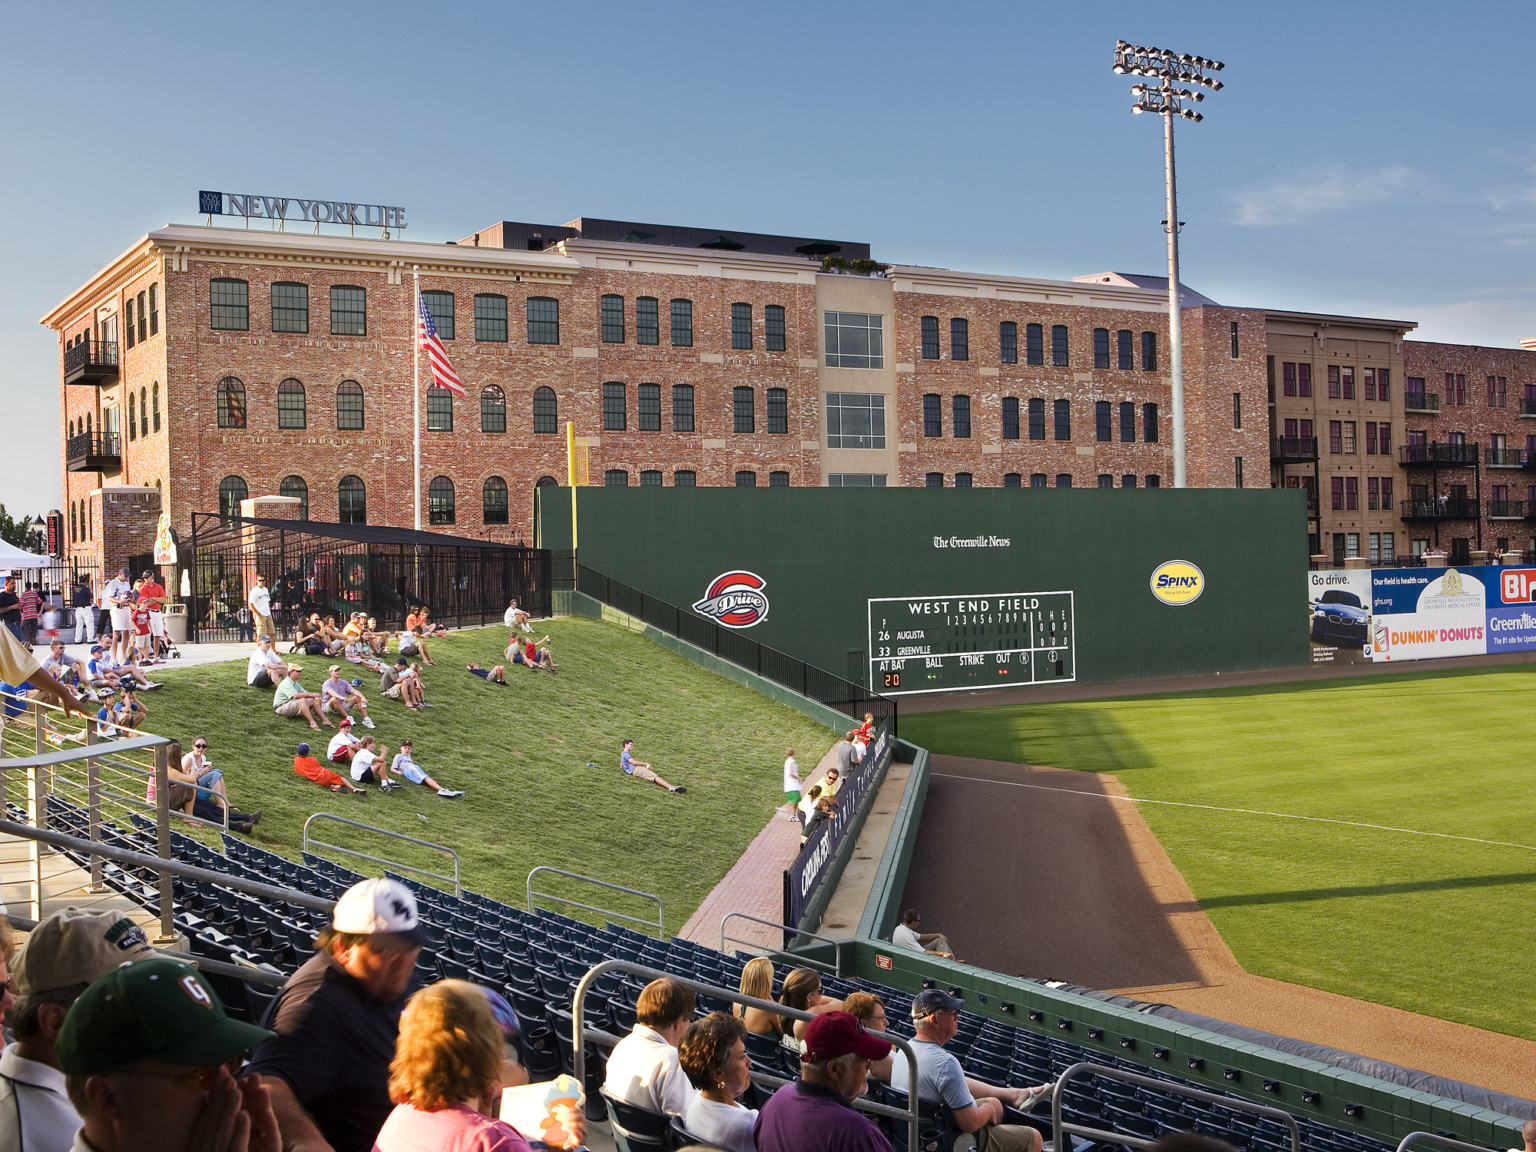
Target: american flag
{"type": "Point", "coordinates": [443, 374]}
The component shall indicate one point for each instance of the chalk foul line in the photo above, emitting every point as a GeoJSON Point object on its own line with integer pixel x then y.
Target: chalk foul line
{"type": "Point", "coordinates": [1244, 811]}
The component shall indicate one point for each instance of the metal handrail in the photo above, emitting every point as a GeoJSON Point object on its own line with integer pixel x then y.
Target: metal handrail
{"type": "Point", "coordinates": [1445, 1141]}
{"type": "Point", "coordinates": [659, 924]}
{"type": "Point", "coordinates": [836, 967]}
{"type": "Point", "coordinates": [580, 1034]}
{"type": "Point", "coordinates": [1086, 1067]}
{"type": "Point", "coordinates": [443, 848]}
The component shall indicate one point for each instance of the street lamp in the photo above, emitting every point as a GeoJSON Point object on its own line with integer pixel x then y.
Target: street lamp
{"type": "Point", "coordinates": [1170, 69]}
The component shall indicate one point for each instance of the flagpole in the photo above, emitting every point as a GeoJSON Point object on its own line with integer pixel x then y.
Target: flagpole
{"type": "Point", "coordinates": [416, 389]}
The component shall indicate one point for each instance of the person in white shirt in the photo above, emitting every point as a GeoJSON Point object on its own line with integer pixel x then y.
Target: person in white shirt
{"type": "Point", "coordinates": [117, 598]}
{"type": "Point", "coordinates": [515, 617]}
{"type": "Point", "coordinates": [791, 786]}
{"type": "Point", "coordinates": [906, 935]}
{"type": "Point", "coordinates": [407, 768]}
{"type": "Point", "coordinates": [266, 668]}
{"type": "Point", "coordinates": [713, 1053]}
{"type": "Point", "coordinates": [643, 1069]}
{"type": "Point", "coordinates": [367, 770]}
{"type": "Point", "coordinates": [342, 745]}
{"type": "Point", "coordinates": [260, 604]}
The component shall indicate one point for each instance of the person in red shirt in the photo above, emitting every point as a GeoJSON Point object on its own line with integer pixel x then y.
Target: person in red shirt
{"type": "Point", "coordinates": [536, 657]}
{"type": "Point", "coordinates": [143, 639]}
{"type": "Point", "coordinates": [152, 597]}
{"type": "Point", "coordinates": [308, 767]}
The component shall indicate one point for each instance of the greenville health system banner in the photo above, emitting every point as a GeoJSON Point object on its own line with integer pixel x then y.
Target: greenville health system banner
{"type": "Point", "coordinates": [1384, 614]}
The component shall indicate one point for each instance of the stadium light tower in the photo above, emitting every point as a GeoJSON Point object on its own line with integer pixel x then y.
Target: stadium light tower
{"type": "Point", "coordinates": [1170, 69]}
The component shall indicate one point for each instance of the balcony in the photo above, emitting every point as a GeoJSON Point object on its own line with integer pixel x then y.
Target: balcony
{"type": "Point", "coordinates": [93, 452]}
{"type": "Point", "coordinates": [1292, 449]}
{"type": "Point", "coordinates": [1438, 455]}
{"type": "Point", "coordinates": [1508, 510]}
{"type": "Point", "coordinates": [91, 362]}
{"type": "Point", "coordinates": [1506, 458]}
{"type": "Point", "coordinates": [1421, 402]}
{"type": "Point", "coordinates": [1441, 508]}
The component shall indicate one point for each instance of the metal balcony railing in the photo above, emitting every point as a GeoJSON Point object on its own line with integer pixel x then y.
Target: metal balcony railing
{"type": "Point", "coordinates": [1421, 401]}
{"type": "Point", "coordinates": [1297, 449]}
{"type": "Point", "coordinates": [1441, 508]}
{"type": "Point", "coordinates": [93, 452]}
{"type": "Point", "coordinates": [1506, 509]}
{"type": "Point", "coordinates": [1506, 458]}
{"type": "Point", "coordinates": [90, 361]}
{"type": "Point", "coordinates": [1438, 455]}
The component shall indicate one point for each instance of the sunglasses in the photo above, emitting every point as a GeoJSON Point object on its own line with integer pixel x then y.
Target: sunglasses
{"type": "Point", "coordinates": [199, 745]}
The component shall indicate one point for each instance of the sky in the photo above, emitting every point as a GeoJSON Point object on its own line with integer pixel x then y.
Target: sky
{"type": "Point", "coordinates": [1373, 159]}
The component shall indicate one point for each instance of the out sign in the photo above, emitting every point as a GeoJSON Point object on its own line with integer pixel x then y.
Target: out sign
{"type": "Point", "coordinates": [1517, 585]}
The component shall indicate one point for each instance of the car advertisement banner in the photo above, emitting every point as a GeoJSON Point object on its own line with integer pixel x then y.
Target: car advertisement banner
{"type": "Point", "coordinates": [1395, 614]}
{"type": "Point", "coordinates": [1341, 613]}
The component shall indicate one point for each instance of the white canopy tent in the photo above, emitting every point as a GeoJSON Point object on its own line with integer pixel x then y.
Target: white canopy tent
{"type": "Point", "coordinates": [13, 557]}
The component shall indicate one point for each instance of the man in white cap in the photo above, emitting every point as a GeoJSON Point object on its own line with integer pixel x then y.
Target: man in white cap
{"type": "Point", "coordinates": [65, 954]}
{"type": "Point", "coordinates": [337, 1019]}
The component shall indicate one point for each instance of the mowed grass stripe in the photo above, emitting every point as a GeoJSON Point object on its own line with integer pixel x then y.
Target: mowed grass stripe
{"type": "Point", "coordinates": [1423, 923]}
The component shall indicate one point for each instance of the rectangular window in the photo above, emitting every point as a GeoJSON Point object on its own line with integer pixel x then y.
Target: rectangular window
{"type": "Point", "coordinates": [778, 412]}
{"type": "Point", "coordinates": [1333, 382]}
{"type": "Point", "coordinates": [744, 410]}
{"type": "Point", "coordinates": [613, 407]}
{"type": "Point", "coordinates": [1103, 429]}
{"type": "Point", "coordinates": [1384, 392]}
{"type": "Point", "coordinates": [1101, 347]}
{"type": "Point", "coordinates": [349, 311]}
{"type": "Point", "coordinates": [933, 414]}
{"type": "Point", "coordinates": [1352, 546]}
{"type": "Point", "coordinates": [154, 309]}
{"type": "Point", "coordinates": [1336, 491]}
{"type": "Point", "coordinates": [1149, 351]}
{"type": "Point", "coordinates": [856, 480]}
{"type": "Point", "coordinates": [774, 332]}
{"type": "Point", "coordinates": [682, 407]}
{"type": "Point", "coordinates": [1384, 431]}
{"type": "Point", "coordinates": [1349, 438]}
{"type": "Point", "coordinates": [1128, 480]}
{"type": "Point", "coordinates": [1335, 436]}
{"type": "Point", "coordinates": [1008, 342]}
{"type": "Point", "coordinates": [1154, 481]}
{"type": "Point", "coordinates": [1368, 382]}
{"type": "Point", "coordinates": [959, 339]}
{"type": "Point", "coordinates": [439, 409]}
{"type": "Point", "coordinates": [1497, 390]}
{"type": "Point", "coordinates": [741, 326]}
{"type": "Point", "coordinates": [1063, 414]}
{"type": "Point", "coordinates": [229, 305]}
{"type": "Point", "coordinates": [1034, 344]}
{"type": "Point", "coordinates": [1351, 493]}
{"type": "Point", "coordinates": [1063, 479]}
{"type": "Point", "coordinates": [1010, 417]}
{"type": "Point", "coordinates": [648, 408]}
{"type": "Point", "coordinates": [611, 313]}
{"type": "Point", "coordinates": [1288, 378]}
{"type": "Point", "coordinates": [129, 335]}
{"type": "Point", "coordinates": [1234, 340]}
{"type": "Point", "coordinates": [1125, 349]}
{"type": "Point", "coordinates": [1372, 494]}
{"type": "Point", "coordinates": [933, 480]}
{"type": "Point", "coordinates": [143, 320]}
{"type": "Point", "coordinates": [1149, 423]}
{"type": "Point", "coordinates": [929, 329]}
{"type": "Point", "coordinates": [1037, 419]}
{"type": "Point", "coordinates": [491, 318]}
{"type": "Point", "coordinates": [682, 323]}
{"type": "Point", "coordinates": [1304, 379]}
{"type": "Point", "coordinates": [543, 320]}
{"type": "Point", "coordinates": [855, 420]}
{"type": "Point", "coordinates": [1127, 423]}
{"type": "Point", "coordinates": [1059, 345]}
{"type": "Point", "coordinates": [1237, 471]}
{"type": "Point", "coordinates": [1106, 480]}
{"type": "Point", "coordinates": [1348, 380]}
{"type": "Point", "coordinates": [778, 479]}
{"type": "Point", "coordinates": [854, 340]}
{"type": "Point", "coordinates": [290, 307]}
{"type": "Point", "coordinates": [1370, 437]}
{"type": "Point", "coordinates": [647, 320]}
{"type": "Point", "coordinates": [1038, 480]}
{"type": "Point", "coordinates": [960, 417]}
{"type": "Point", "coordinates": [440, 308]}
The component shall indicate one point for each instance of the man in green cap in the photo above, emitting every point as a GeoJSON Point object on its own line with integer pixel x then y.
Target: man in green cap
{"type": "Point", "coordinates": [149, 1059]}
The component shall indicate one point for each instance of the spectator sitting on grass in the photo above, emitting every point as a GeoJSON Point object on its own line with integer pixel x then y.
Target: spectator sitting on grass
{"type": "Point", "coordinates": [265, 668]}
{"type": "Point", "coordinates": [308, 767]}
{"type": "Point", "coordinates": [515, 617]}
{"type": "Point", "coordinates": [128, 712]}
{"type": "Point", "coordinates": [496, 675]}
{"type": "Point", "coordinates": [377, 639]}
{"type": "Point", "coordinates": [343, 744]}
{"type": "Point", "coordinates": [368, 765]}
{"type": "Point", "coordinates": [641, 770]}
{"type": "Point", "coordinates": [103, 671]}
{"type": "Point", "coordinates": [63, 667]}
{"type": "Point", "coordinates": [332, 635]}
{"type": "Point", "coordinates": [403, 683]}
{"type": "Point", "coordinates": [290, 699]}
{"type": "Point", "coordinates": [340, 696]}
{"type": "Point", "coordinates": [407, 768]}
{"type": "Point", "coordinates": [209, 801]}
{"type": "Point", "coordinates": [358, 652]}
{"type": "Point", "coordinates": [426, 627]}
{"type": "Point", "coordinates": [411, 644]}
{"type": "Point", "coordinates": [307, 638]}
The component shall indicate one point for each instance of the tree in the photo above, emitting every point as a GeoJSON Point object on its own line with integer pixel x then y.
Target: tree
{"type": "Point", "coordinates": [17, 533]}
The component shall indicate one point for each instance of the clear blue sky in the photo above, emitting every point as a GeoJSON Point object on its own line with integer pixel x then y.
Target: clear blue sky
{"type": "Point", "coordinates": [1366, 158]}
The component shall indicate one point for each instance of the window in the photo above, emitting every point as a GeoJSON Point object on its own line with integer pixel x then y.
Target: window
{"type": "Point", "coordinates": [230, 399]}
{"type": "Point", "coordinates": [741, 326]}
{"type": "Point", "coordinates": [743, 410]}
{"type": "Point", "coordinates": [1012, 480]}
{"type": "Point", "coordinates": [1037, 419]}
{"type": "Point", "coordinates": [1384, 392]}
{"type": "Point", "coordinates": [611, 310]}
{"type": "Point", "coordinates": [962, 479]}
{"type": "Point", "coordinates": [349, 407]}
{"type": "Point", "coordinates": [143, 411]}
{"type": "Point", "coordinates": [290, 307]}
{"type": "Point", "coordinates": [933, 414]}
{"type": "Point", "coordinates": [128, 321]}
{"type": "Point", "coordinates": [648, 410]}
{"type": "Point", "coordinates": [685, 478]}
{"type": "Point", "coordinates": [543, 320]}
{"type": "Point", "coordinates": [1456, 386]}
{"type": "Point", "coordinates": [773, 329]}
{"type": "Point", "coordinates": [296, 488]}
{"type": "Point", "coordinates": [229, 305]}
{"type": "Point", "coordinates": [1102, 424]}
{"type": "Point", "coordinates": [647, 322]}
{"type": "Point", "coordinates": [1101, 347]}
{"type": "Point", "coordinates": [778, 412]}
{"type": "Point", "coordinates": [490, 318]}
{"type": "Point", "coordinates": [154, 309]}
{"type": "Point", "coordinates": [1349, 437]}
{"type": "Point", "coordinates": [1369, 383]}
{"type": "Point", "coordinates": [1370, 437]}
{"type": "Point", "coordinates": [1335, 436]}
{"type": "Point", "coordinates": [1063, 415]}
{"type": "Point", "coordinates": [613, 408]}
{"type": "Point", "coordinates": [1106, 480]}
{"type": "Point", "coordinates": [682, 407]}
{"type": "Point", "coordinates": [1288, 378]}
{"type": "Point", "coordinates": [1149, 351]}
{"type": "Point", "coordinates": [352, 500]}
{"type": "Point", "coordinates": [1237, 409]}
{"type": "Point", "coordinates": [1034, 344]}
{"type": "Point", "coordinates": [1336, 492]}
{"type": "Point", "coordinates": [960, 417]}
{"type": "Point", "coordinates": [493, 501]}
{"type": "Point", "coordinates": [1385, 431]}
{"type": "Point", "coordinates": [930, 337]}
{"type": "Point", "coordinates": [1063, 479]}
{"type": "Point", "coordinates": [1348, 377]}
{"type": "Point", "coordinates": [1008, 342]}
{"type": "Point", "coordinates": [682, 323]}
{"type": "Point", "coordinates": [440, 308]}
{"type": "Point", "coordinates": [1497, 397]}
{"type": "Point", "coordinates": [546, 411]}
{"type": "Point", "coordinates": [650, 478]}
{"type": "Point", "coordinates": [856, 480]}
{"type": "Point", "coordinates": [143, 320]}
{"type": "Point", "coordinates": [746, 479]}
{"type": "Point", "coordinates": [778, 479]}
{"type": "Point", "coordinates": [933, 480]}
{"type": "Point", "coordinates": [493, 409]}
{"type": "Point", "coordinates": [1237, 472]}
{"type": "Point", "coordinates": [232, 491]}
{"type": "Point", "coordinates": [439, 409]}
{"type": "Point", "coordinates": [155, 397]}
{"type": "Point", "coordinates": [133, 424]}
{"type": "Point", "coordinates": [1038, 480]}
{"type": "Point", "coordinates": [1372, 493]}
{"type": "Point", "coordinates": [73, 523]}
{"type": "Point", "coordinates": [854, 340]}
{"type": "Point", "coordinates": [1128, 480]}
{"type": "Point", "coordinates": [349, 311]}
{"type": "Point", "coordinates": [616, 478]}
{"type": "Point", "coordinates": [1059, 345]}
{"type": "Point", "coordinates": [1010, 417]}
{"type": "Point", "coordinates": [1149, 423]}
{"type": "Point", "coordinates": [1303, 379]}
{"type": "Point", "coordinates": [959, 339]}
{"type": "Point", "coordinates": [440, 502]}
{"type": "Point", "coordinates": [1125, 348]}
{"type": "Point", "coordinates": [1351, 493]}
{"type": "Point", "coordinates": [291, 411]}
{"type": "Point", "coordinates": [1154, 481]}
{"type": "Point", "coordinates": [855, 420]}
{"type": "Point", "coordinates": [1333, 382]}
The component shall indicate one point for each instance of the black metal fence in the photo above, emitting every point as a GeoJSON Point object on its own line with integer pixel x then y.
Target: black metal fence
{"type": "Point", "coordinates": [808, 680]}
{"type": "Point", "coordinates": [338, 569]}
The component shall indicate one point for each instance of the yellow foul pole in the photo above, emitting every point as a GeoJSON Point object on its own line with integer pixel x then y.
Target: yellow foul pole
{"type": "Point", "coordinates": [570, 469]}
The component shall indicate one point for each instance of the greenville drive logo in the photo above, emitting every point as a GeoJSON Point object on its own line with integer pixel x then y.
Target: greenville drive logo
{"type": "Point", "coordinates": [735, 599]}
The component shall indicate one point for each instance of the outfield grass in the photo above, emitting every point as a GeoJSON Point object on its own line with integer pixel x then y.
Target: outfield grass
{"type": "Point", "coordinates": [522, 754]}
{"type": "Point", "coordinates": [1434, 925]}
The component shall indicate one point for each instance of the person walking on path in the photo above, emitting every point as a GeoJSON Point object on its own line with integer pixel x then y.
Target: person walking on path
{"type": "Point", "coordinates": [792, 784]}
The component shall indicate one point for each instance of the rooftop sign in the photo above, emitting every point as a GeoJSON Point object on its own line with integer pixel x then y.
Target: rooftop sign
{"type": "Point", "coordinates": [293, 208]}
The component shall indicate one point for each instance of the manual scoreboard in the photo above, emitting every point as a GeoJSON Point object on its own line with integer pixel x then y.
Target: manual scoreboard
{"type": "Point", "coordinates": [964, 643]}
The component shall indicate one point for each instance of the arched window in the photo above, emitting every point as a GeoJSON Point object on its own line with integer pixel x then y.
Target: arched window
{"type": "Point", "coordinates": [685, 478]}
{"type": "Point", "coordinates": [1013, 480]}
{"type": "Point", "coordinates": [746, 479]}
{"type": "Point", "coordinates": [493, 409]}
{"type": "Point", "coordinates": [133, 423]}
{"type": "Point", "coordinates": [493, 500]}
{"type": "Point", "coordinates": [87, 423]}
{"type": "Point", "coordinates": [546, 482]}
{"type": "Point", "coordinates": [73, 522]}
{"type": "Point", "coordinates": [352, 501]}
{"type": "Point", "coordinates": [440, 501]}
{"type": "Point", "coordinates": [291, 412]}
{"type": "Point", "coordinates": [349, 407]}
{"type": "Point", "coordinates": [295, 486]}
{"type": "Point", "coordinates": [546, 410]}
{"type": "Point", "coordinates": [156, 396]}
{"type": "Point", "coordinates": [650, 478]}
{"type": "Point", "coordinates": [230, 398]}
{"type": "Point", "coordinates": [616, 478]}
{"type": "Point", "coordinates": [439, 410]}
{"type": "Point", "coordinates": [143, 411]}
{"type": "Point", "coordinates": [232, 490]}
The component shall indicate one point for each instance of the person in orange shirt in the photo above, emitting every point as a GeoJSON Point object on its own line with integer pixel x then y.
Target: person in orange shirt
{"type": "Point", "coordinates": [308, 767]}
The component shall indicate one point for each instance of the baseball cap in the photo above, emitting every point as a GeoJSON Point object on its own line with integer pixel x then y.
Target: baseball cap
{"type": "Point", "coordinates": [346, 721]}
{"type": "Point", "coordinates": [834, 1034]}
{"type": "Point", "coordinates": [97, 648]}
{"type": "Point", "coordinates": [302, 750]}
{"type": "Point", "coordinates": [148, 574]}
{"type": "Point", "coordinates": [77, 947]}
{"type": "Point", "coordinates": [158, 1009]}
{"type": "Point", "coordinates": [401, 662]}
{"type": "Point", "coordinates": [378, 907]}
{"type": "Point", "coordinates": [931, 1000]}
